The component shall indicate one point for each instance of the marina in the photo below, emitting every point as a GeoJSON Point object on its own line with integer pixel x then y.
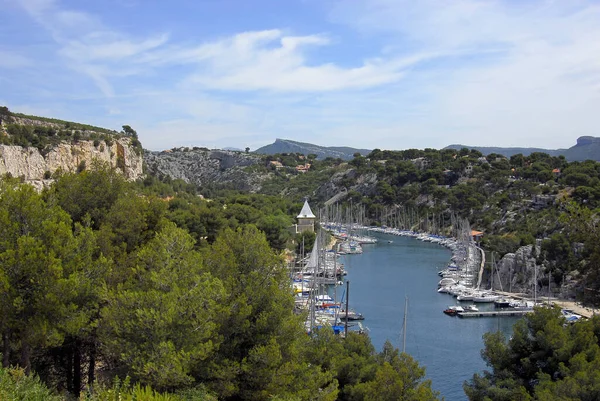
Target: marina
{"type": "Point", "coordinates": [400, 273]}
{"type": "Point", "coordinates": [393, 270]}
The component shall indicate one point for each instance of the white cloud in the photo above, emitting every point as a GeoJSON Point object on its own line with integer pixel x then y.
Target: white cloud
{"type": "Point", "coordinates": [108, 46]}
{"type": "Point", "coordinates": [269, 60]}
{"type": "Point", "coordinates": [429, 73]}
{"type": "Point", "coordinates": [37, 7]}
{"type": "Point", "coordinates": [526, 72]}
{"type": "Point", "coordinates": [257, 60]}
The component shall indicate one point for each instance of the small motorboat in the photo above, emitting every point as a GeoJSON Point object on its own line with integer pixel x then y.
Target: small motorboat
{"type": "Point", "coordinates": [453, 310]}
{"type": "Point", "coordinates": [352, 315]}
{"type": "Point", "coordinates": [450, 312]}
{"type": "Point", "coordinates": [471, 308]}
{"type": "Point", "coordinates": [390, 241]}
{"type": "Point", "coordinates": [503, 303]}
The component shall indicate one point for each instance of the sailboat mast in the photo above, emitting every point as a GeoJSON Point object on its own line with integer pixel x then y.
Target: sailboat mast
{"type": "Point", "coordinates": [346, 320]}
{"type": "Point", "coordinates": [404, 324]}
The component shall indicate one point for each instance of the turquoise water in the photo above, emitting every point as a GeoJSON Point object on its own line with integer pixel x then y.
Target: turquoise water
{"type": "Point", "coordinates": [448, 347]}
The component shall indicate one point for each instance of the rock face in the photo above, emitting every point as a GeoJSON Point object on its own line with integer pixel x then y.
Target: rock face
{"type": "Point", "coordinates": [32, 165]}
{"type": "Point", "coordinates": [587, 140]}
{"type": "Point", "coordinates": [204, 167]}
{"type": "Point", "coordinates": [332, 190]}
{"type": "Point", "coordinates": [518, 273]}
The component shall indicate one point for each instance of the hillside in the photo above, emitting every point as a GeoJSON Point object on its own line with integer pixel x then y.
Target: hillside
{"type": "Point", "coordinates": [203, 167]}
{"type": "Point", "coordinates": [507, 152]}
{"type": "Point", "coordinates": [322, 152]}
{"type": "Point", "coordinates": [34, 148]}
{"type": "Point", "coordinates": [586, 148]}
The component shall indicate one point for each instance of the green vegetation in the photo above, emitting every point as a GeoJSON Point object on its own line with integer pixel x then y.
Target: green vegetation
{"type": "Point", "coordinates": [44, 133]}
{"type": "Point", "coordinates": [16, 385]}
{"type": "Point", "coordinates": [112, 290]}
{"type": "Point", "coordinates": [545, 359]}
{"type": "Point", "coordinates": [288, 181]}
{"type": "Point", "coordinates": [8, 116]}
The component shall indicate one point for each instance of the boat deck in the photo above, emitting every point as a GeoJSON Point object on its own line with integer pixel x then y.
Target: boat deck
{"type": "Point", "coordinates": [511, 312]}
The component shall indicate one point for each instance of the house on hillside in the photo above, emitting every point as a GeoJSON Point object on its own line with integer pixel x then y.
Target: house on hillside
{"type": "Point", "coordinates": [276, 164]}
{"type": "Point", "coordinates": [477, 236]}
{"type": "Point", "coordinates": [306, 219]}
{"type": "Point", "coordinates": [303, 168]}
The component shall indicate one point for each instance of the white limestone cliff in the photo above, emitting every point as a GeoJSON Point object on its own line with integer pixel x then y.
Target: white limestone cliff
{"type": "Point", "coordinates": [32, 165]}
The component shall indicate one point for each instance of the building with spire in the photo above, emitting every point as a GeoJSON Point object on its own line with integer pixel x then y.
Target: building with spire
{"type": "Point", "coordinates": [306, 219]}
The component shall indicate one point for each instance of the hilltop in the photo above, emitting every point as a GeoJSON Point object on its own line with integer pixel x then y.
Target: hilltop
{"type": "Point", "coordinates": [586, 148]}
{"type": "Point", "coordinates": [322, 152]}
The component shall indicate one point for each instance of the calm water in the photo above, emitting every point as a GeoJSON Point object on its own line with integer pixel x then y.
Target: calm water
{"type": "Point", "coordinates": [448, 347]}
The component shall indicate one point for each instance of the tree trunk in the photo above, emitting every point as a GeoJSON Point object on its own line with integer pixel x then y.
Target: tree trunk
{"type": "Point", "coordinates": [69, 367]}
{"type": "Point", "coordinates": [92, 366]}
{"type": "Point", "coordinates": [76, 368]}
{"type": "Point", "coordinates": [5, 350]}
{"type": "Point", "coordinates": [26, 357]}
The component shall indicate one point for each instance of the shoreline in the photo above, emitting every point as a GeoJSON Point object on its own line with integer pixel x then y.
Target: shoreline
{"type": "Point", "coordinates": [472, 259]}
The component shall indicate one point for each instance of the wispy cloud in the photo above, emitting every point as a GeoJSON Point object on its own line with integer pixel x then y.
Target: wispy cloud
{"type": "Point", "coordinates": [529, 71]}
{"type": "Point", "coordinates": [377, 73]}
{"type": "Point", "coordinates": [254, 60]}
{"type": "Point", "coordinates": [9, 59]}
{"type": "Point", "coordinates": [269, 60]}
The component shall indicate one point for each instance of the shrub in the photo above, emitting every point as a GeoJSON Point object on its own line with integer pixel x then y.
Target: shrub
{"type": "Point", "coordinates": [123, 391]}
{"type": "Point", "coordinates": [16, 385]}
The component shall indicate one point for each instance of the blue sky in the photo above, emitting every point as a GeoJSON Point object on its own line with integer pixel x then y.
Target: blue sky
{"type": "Point", "coordinates": [388, 74]}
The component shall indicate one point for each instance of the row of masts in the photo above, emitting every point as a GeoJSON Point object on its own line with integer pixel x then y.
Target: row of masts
{"type": "Point", "coordinates": [402, 217]}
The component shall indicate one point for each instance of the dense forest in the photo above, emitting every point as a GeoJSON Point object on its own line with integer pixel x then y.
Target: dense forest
{"type": "Point", "coordinates": [118, 290]}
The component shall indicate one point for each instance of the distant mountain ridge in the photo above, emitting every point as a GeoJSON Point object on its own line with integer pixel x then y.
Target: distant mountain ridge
{"type": "Point", "coordinates": [586, 148]}
{"type": "Point", "coordinates": [322, 152]}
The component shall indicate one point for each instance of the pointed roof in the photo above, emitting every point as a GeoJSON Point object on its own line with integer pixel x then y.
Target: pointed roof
{"type": "Point", "coordinates": [306, 213]}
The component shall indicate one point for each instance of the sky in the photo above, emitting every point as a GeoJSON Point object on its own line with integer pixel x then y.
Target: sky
{"type": "Point", "coordinates": [387, 74]}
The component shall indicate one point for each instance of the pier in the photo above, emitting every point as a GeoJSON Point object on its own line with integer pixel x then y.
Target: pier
{"type": "Point", "coordinates": [511, 312]}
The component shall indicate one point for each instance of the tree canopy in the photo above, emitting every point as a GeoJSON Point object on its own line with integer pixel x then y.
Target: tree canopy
{"type": "Point", "coordinates": [114, 287]}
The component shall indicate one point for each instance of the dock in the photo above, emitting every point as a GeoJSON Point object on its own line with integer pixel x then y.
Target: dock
{"type": "Point", "coordinates": [511, 312]}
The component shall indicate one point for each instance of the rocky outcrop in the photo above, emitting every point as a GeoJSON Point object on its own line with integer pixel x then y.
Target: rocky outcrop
{"type": "Point", "coordinates": [587, 140]}
{"type": "Point", "coordinates": [32, 165]}
{"type": "Point", "coordinates": [204, 167]}
{"type": "Point", "coordinates": [517, 271]}
{"type": "Point", "coordinates": [365, 184]}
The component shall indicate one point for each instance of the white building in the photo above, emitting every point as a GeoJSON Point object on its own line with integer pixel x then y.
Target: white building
{"type": "Point", "coordinates": [306, 219]}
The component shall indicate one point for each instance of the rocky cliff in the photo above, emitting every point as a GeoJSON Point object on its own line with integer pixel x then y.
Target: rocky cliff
{"type": "Point", "coordinates": [32, 165]}
{"type": "Point", "coordinates": [204, 167]}
{"type": "Point", "coordinates": [517, 272]}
